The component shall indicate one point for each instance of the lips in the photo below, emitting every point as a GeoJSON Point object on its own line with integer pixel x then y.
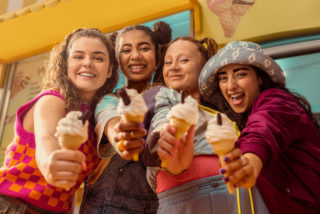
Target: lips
{"type": "Point", "coordinates": [175, 77]}
{"type": "Point", "coordinates": [87, 74]}
{"type": "Point", "coordinates": [236, 99]}
{"type": "Point", "coordinates": [137, 68]}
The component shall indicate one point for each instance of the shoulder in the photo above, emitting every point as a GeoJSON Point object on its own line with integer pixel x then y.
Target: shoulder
{"type": "Point", "coordinates": [275, 99]}
{"type": "Point", "coordinates": [109, 101]}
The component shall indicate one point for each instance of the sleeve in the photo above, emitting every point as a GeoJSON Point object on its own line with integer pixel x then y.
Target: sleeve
{"type": "Point", "coordinates": [271, 126]}
{"type": "Point", "coordinates": [105, 110]}
{"type": "Point", "coordinates": [164, 100]}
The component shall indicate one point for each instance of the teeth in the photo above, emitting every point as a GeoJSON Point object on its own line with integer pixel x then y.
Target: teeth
{"type": "Point", "coordinates": [235, 95]}
{"type": "Point", "coordinates": [136, 66]}
{"type": "Point", "coordinates": [87, 75]}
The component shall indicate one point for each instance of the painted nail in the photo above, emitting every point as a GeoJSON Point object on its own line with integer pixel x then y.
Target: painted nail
{"type": "Point", "coordinates": [141, 125]}
{"type": "Point", "coordinates": [84, 166]}
{"type": "Point", "coordinates": [226, 179]}
{"type": "Point", "coordinates": [226, 159]}
{"type": "Point", "coordinates": [222, 171]}
{"type": "Point", "coordinates": [235, 185]}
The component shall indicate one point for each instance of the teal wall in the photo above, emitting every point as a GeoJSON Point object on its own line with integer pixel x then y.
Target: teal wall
{"type": "Point", "coordinates": [303, 76]}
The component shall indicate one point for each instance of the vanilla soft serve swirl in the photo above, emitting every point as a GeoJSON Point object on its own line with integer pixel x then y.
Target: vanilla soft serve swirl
{"type": "Point", "coordinates": [187, 111]}
{"type": "Point", "coordinates": [72, 125]}
{"type": "Point", "coordinates": [223, 132]}
{"type": "Point", "coordinates": [137, 105]}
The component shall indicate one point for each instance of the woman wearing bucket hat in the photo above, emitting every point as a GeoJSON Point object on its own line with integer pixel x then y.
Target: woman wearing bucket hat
{"type": "Point", "coordinates": [279, 142]}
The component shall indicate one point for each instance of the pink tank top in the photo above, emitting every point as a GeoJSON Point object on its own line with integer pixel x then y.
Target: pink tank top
{"type": "Point", "coordinates": [20, 176]}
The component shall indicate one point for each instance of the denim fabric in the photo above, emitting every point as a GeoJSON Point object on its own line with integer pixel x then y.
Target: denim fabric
{"type": "Point", "coordinates": [7, 207]}
{"type": "Point", "coordinates": [208, 196]}
{"type": "Point", "coordinates": [121, 188]}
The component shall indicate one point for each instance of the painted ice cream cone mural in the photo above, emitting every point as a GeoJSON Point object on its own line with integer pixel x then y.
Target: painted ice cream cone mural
{"type": "Point", "coordinates": [230, 13]}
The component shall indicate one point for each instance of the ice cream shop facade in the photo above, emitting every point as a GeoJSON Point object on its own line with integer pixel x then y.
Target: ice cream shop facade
{"type": "Point", "coordinates": [288, 30]}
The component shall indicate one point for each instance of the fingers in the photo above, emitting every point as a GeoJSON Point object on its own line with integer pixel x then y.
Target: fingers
{"type": "Point", "coordinates": [238, 170]}
{"type": "Point", "coordinates": [128, 126]}
{"type": "Point", "coordinates": [64, 168]}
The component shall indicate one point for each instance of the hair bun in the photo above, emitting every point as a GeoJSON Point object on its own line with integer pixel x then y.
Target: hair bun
{"type": "Point", "coordinates": [163, 32]}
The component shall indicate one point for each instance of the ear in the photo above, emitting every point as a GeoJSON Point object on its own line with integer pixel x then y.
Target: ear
{"type": "Point", "coordinates": [109, 72]}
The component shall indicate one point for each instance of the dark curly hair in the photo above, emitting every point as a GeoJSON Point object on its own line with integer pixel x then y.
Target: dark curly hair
{"type": "Point", "coordinates": [56, 73]}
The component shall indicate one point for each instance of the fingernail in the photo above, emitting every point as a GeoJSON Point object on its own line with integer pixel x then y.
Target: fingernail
{"type": "Point", "coordinates": [141, 125]}
{"type": "Point", "coordinates": [84, 166]}
{"type": "Point", "coordinates": [226, 179]}
{"type": "Point", "coordinates": [222, 171]}
{"type": "Point", "coordinates": [235, 185]}
{"type": "Point", "coordinates": [226, 159]}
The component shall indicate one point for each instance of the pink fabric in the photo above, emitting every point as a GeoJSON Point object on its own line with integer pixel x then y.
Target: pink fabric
{"type": "Point", "coordinates": [279, 131]}
{"type": "Point", "coordinates": [20, 177]}
{"type": "Point", "coordinates": [201, 167]}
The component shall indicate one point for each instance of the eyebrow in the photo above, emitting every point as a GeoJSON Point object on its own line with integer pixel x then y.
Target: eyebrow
{"type": "Point", "coordinates": [139, 44]}
{"type": "Point", "coordinates": [234, 70]}
{"type": "Point", "coordinates": [241, 68]}
{"type": "Point", "coordinates": [95, 52]}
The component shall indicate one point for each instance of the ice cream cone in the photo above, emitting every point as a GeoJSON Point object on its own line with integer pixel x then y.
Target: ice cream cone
{"type": "Point", "coordinates": [222, 148]}
{"type": "Point", "coordinates": [132, 109]}
{"type": "Point", "coordinates": [73, 142]}
{"type": "Point", "coordinates": [181, 126]}
{"type": "Point", "coordinates": [222, 136]}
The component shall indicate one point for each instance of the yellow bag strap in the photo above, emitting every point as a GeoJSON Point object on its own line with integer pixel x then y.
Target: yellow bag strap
{"type": "Point", "coordinates": [251, 201]}
{"type": "Point", "coordinates": [212, 112]}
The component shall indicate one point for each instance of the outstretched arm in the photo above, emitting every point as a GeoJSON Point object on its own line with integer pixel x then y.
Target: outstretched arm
{"type": "Point", "coordinates": [60, 167]}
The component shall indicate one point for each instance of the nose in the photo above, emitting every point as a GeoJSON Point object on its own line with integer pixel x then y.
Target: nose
{"type": "Point", "coordinates": [135, 54]}
{"type": "Point", "coordinates": [174, 65]}
{"type": "Point", "coordinates": [232, 83]}
{"type": "Point", "coordinates": [87, 62]}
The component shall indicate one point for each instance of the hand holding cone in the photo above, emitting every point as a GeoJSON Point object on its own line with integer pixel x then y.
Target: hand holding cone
{"type": "Point", "coordinates": [222, 137]}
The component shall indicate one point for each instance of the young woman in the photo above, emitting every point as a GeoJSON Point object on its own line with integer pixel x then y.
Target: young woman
{"type": "Point", "coordinates": [122, 186]}
{"type": "Point", "coordinates": [280, 138]}
{"type": "Point", "coordinates": [38, 176]}
{"type": "Point", "coordinates": [191, 180]}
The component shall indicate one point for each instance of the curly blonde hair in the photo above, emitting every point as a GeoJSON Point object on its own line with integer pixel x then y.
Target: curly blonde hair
{"type": "Point", "coordinates": [56, 72]}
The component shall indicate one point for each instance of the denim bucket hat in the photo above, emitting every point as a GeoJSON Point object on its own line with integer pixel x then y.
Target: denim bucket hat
{"type": "Point", "coordinates": [238, 52]}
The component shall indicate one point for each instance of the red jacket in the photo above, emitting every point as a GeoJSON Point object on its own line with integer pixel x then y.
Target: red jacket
{"type": "Point", "coordinates": [282, 135]}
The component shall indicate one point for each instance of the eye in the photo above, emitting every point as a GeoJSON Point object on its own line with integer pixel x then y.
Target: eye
{"type": "Point", "coordinates": [222, 78]}
{"type": "Point", "coordinates": [125, 50]}
{"type": "Point", "coordinates": [100, 59]}
{"type": "Point", "coordinates": [241, 74]}
{"type": "Point", "coordinates": [167, 62]}
{"type": "Point", "coordinates": [144, 49]}
{"type": "Point", "coordinates": [184, 60]}
{"type": "Point", "coordinates": [77, 56]}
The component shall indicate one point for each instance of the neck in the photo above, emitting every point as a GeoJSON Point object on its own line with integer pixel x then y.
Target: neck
{"type": "Point", "coordinates": [139, 86]}
{"type": "Point", "coordinates": [196, 96]}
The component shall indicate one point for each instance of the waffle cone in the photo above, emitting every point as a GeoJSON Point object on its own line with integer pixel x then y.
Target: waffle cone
{"type": "Point", "coordinates": [181, 126]}
{"type": "Point", "coordinates": [70, 141]}
{"type": "Point", "coordinates": [131, 118]}
{"type": "Point", "coordinates": [221, 148]}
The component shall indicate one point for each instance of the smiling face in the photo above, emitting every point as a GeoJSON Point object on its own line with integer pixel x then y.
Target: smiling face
{"type": "Point", "coordinates": [239, 85]}
{"type": "Point", "coordinates": [182, 66]}
{"type": "Point", "coordinates": [88, 66]}
{"type": "Point", "coordinates": [137, 56]}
